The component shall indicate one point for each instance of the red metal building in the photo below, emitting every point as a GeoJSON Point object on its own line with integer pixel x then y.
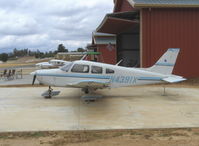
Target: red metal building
{"type": "Point", "coordinates": [106, 44]}
{"type": "Point", "coordinates": [145, 29]}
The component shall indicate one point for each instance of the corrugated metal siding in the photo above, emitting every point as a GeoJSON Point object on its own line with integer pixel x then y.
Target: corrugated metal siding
{"type": "Point", "coordinates": [172, 28]}
{"type": "Point", "coordinates": [107, 55]}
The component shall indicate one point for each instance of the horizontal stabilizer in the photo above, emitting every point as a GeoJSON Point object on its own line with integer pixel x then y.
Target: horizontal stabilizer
{"type": "Point", "coordinates": [174, 79]}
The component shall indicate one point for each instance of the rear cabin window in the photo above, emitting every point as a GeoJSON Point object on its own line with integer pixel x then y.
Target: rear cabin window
{"type": "Point", "coordinates": [80, 68]}
{"type": "Point", "coordinates": [96, 70]}
{"type": "Point", "coordinates": [110, 71]}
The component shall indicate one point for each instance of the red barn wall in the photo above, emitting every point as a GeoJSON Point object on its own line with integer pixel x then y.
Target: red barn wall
{"type": "Point", "coordinates": [171, 28]}
{"type": "Point", "coordinates": [108, 55]}
{"type": "Point", "coordinates": [123, 6]}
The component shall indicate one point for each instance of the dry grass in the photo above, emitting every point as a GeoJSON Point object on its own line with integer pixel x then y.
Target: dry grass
{"type": "Point", "coordinates": [24, 61]}
{"type": "Point", "coordinates": [59, 138]}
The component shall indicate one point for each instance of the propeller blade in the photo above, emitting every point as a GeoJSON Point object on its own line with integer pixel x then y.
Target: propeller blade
{"type": "Point", "coordinates": [34, 78]}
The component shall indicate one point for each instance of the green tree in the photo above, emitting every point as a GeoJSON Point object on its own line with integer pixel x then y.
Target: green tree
{"type": "Point", "coordinates": [15, 52]}
{"type": "Point", "coordinates": [4, 57]}
{"type": "Point", "coordinates": [61, 48]}
{"type": "Point", "coordinates": [80, 50]}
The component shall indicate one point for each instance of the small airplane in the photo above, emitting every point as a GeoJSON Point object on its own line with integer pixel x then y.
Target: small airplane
{"type": "Point", "coordinates": [90, 76]}
{"type": "Point", "coordinates": [52, 64]}
{"type": "Point", "coordinates": [58, 63]}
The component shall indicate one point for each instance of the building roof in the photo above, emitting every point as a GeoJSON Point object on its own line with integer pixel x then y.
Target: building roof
{"type": "Point", "coordinates": [103, 41]}
{"type": "Point", "coordinates": [79, 53]}
{"type": "Point", "coordinates": [103, 38]}
{"type": "Point", "coordinates": [164, 3]}
{"type": "Point", "coordinates": [71, 53]}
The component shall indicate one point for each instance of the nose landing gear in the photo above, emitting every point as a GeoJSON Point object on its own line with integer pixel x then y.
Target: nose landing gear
{"type": "Point", "coordinates": [50, 93]}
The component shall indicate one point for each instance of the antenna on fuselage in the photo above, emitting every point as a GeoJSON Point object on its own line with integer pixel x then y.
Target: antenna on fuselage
{"type": "Point", "coordinates": [119, 62]}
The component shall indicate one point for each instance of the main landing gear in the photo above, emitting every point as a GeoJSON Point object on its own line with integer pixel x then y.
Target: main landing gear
{"type": "Point", "coordinates": [90, 96]}
{"type": "Point", "coordinates": [50, 93]}
{"type": "Point", "coordinates": [86, 90]}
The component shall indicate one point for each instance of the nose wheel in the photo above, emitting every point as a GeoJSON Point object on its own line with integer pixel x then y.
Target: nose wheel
{"type": "Point", "coordinates": [50, 93]}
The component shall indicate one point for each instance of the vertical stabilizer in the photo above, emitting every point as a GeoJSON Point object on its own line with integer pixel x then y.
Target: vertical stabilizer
{"type": "Point", "coordinates": [166, 63]}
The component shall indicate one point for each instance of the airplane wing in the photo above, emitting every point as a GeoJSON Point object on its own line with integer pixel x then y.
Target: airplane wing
{"type": "Point", "coordinates": [174, 79]}
{"type": "Point", "coordinates": [90, 84]}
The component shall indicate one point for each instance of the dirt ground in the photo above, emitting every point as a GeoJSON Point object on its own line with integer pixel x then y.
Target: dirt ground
{"type": "Point", "coordinates": [149, 137]}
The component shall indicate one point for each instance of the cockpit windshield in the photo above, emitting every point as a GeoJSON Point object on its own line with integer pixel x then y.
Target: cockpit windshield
{"type": "Point", "coordinates": [66, 67]}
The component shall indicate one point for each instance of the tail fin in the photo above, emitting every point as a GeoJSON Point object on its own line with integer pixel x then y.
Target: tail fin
{"type": "Point", "coordinates": [166, 63]}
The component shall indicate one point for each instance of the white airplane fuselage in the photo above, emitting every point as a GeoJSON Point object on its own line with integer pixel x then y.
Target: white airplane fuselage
{"type": "Point", "coordinates": [121, 77]}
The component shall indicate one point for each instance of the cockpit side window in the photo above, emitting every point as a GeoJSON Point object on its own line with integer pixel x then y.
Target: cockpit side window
{"type": "Point", "coordinates": [96, 70]}
{"type": "Point", "coordinates": [66, 67]}
{"type": "Point", "coordinates": [109, 71]}
{"type": "Point", "coordinates": [80, 68]}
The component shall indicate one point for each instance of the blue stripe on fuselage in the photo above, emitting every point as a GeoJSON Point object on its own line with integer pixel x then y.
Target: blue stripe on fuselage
{"type": "Point", "coordinates": [75, 76]}
{"type": "Point", "coordinates": [150, 78]}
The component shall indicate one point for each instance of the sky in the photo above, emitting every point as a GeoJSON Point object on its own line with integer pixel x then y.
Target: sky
{"type": "Point", "coordinates": [44, 24]}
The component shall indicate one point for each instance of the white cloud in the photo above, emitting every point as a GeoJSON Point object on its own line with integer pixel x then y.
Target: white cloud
{"type": "Point", "coordinates": [43, 24]}
{"type": "Point", "coordinates": [17, 24]}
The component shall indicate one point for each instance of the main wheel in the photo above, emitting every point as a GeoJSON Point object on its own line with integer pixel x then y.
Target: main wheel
{"type": "Point", "coordinates": [86, 91]}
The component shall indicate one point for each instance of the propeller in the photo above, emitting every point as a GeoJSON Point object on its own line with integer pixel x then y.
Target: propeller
{"type": "Point", "coordinates": [34, 78]}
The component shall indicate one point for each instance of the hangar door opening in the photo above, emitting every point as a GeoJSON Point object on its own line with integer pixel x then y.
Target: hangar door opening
{"type": "Point", "coordinates": [128, 49]}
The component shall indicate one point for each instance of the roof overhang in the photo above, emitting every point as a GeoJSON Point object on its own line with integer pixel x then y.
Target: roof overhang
{"type": "Point", "coordinates": [98, 34]}
{"type": "Point", "coordinates": [115, 23]}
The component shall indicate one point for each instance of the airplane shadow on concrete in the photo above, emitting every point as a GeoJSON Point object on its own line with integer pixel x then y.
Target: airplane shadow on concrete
{"type": "Point", "coordinates": [106, 95]}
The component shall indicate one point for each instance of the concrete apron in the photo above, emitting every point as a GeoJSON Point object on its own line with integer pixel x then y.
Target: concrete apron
{"type": "Point", "coordinates": [23, 109]}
